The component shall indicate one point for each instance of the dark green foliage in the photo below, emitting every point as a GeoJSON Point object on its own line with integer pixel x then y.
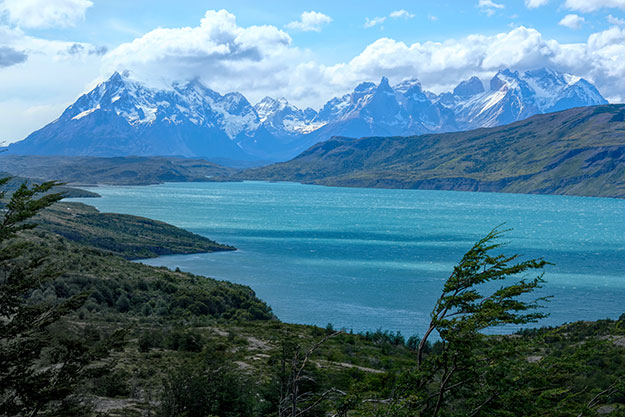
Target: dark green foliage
{"type": "Point", "coordinates": [299, 389]}
{"type": "Point", "coordinates": [112, 384]}
{"type": "Point", "coordinates": [382, 337]}
{"type": "Point", "coordinates": [22, 206]}
{"type": "Point", "coordinates": [185, 341]}
{"type": "Point", "coordinates": [40, 365]}
{"type": "Point", "coordinates": [117, 286]}
{"type": "Point", "coordinates": [462, 312]}
{"type": "Point", "coordinates": [566, 371]}
{"type": "Point", "coordinates": [208, 385]}
{"type": "Point", "coordinates": [150, 339]}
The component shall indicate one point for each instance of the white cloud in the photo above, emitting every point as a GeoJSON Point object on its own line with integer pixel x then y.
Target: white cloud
{"type": "Point", "coordinates": [490, 3]}
{"type": "Point", "coordinates": [615, 20]}
{"type": "Point", "coordinates": [439, 65]}
{"type": "Point", "coordinates": [310, 21]}
{"type": "Point", "coordinates": [572, 21]}
{"type": "Point", "coordinates": [532, 4]}
{"type": "Point", "coordinates": [52, 74]}
{"type": "Point", "coordinates": [432, 18]}
{"type": "Point", "coordinates": [397, 14]}
{"type": "Point", "coordinates": [369, 23]}
{"type": "Point", "coordinates": [218, 51]}
{"type": "Point", "coordinates": [586, 6]}
{"type": "Point", "coordinates": [44, 13]}
{"type": "Point", "coordinates": [489, 6]}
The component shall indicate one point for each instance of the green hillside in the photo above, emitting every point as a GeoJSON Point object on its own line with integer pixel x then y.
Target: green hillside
{"type": "Point", "coordinates": [579, 151]}
{"type": "Point", "coordinates": [131, 237]}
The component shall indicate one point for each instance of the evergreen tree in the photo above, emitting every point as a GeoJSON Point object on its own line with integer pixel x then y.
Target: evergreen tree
{"type": "Point", "coordinates": [40, 365]}
{"type": "Point", "coordinates": [456, 378]}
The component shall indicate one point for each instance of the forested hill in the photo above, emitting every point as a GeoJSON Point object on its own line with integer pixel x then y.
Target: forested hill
{"type": "Point", "coordinates": [579, 151]}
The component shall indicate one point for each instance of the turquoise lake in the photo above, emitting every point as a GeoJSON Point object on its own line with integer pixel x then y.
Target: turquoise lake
{"type": "Point", "coordinates": [364, 259]}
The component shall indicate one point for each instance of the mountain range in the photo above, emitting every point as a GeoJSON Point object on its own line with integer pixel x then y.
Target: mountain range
{"type": "Point", "coordinates": [122, 116]}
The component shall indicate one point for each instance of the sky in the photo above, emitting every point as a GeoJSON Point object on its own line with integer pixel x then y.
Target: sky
{"type": "Point", "coordinates": [52, 51]}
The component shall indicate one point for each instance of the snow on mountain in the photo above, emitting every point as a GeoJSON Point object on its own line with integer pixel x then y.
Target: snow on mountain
{"type": "Point", "coordinates": [122, 116]}
{"type": "Point", "coordinates": [340, 109]}
{"type": "Point", "coordinates": [190, 102]}
{"type": "Point", "coordinates": [513, 96]}
{"type": "Point", "coordinates": [284, 119]}
{"type": "Point", "coordinates": [509, 99]}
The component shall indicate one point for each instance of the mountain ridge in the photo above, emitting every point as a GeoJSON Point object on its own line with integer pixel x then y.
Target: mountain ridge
{"type": "Point", "coordinates": [122, 117]}
{"type": "Point", "coordinates": [579, 151]}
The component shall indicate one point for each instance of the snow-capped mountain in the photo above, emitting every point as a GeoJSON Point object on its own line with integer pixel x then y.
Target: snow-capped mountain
{"type": "Point", "coordinates": [513, 96]}
{"type": "Point", "coordinates": [284, 119]}
{"type": "Point", "coordinates": [124, 117]}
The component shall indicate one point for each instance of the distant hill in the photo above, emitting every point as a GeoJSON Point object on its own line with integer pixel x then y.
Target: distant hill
{"type": "Point", "coordinates": [579, 151]}
{"type": "Point", "coordinates": [114, 171]}
{"type": "Point", "coordinates": [123, 116]}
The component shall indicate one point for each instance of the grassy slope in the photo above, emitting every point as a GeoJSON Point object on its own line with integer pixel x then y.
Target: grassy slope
{"type": "Point", "coordinates": [131, 237]}
{"type": "Point", "coordinates": [117, 171]}
{"type": "Point", "coordinates": [575, 152]}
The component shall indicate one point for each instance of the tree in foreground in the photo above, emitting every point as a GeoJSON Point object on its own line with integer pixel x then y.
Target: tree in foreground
{"type": "Point", "coordinates": [458, 377]}
{"type": "Point", "coordinates": [39, 365]}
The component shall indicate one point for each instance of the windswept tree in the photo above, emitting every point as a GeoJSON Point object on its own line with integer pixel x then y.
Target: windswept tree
{"type": "Point", "coordinates": [458, 370]}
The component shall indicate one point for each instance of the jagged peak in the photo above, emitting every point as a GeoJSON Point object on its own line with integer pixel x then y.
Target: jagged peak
{"type": "Point", "coordinates": [236, 98]}
{"type": "Point", "coordinates": [409, 84]}
{"type": "Point", "coordinates": [235, 95]}
{"type": "Point", "coordinates": [119, 79]}
{"type": "Point", "coordinates": [364, 87]}
{"type": "Point", "coordinates": [507, 72]}
{"type": "Point", "coordinates": [469, 87]}
{"type": "Point", "coordinates": [384, 85]}
{"type": "Point", "coordinates": [266, 101]}
{"type": "Point", "coordinates": [405, 105]}
{"type": "Point", "coordinates": [543, 72]}
{"type": "Point", "coordinates": [191, 84]}
{"type": "Point", "coordinates": [504, 77]}
{"type": "Point", "coordinates": [115, 77]}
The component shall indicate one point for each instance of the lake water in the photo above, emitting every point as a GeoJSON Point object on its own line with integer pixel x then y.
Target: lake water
{"type": "Point", "coordinates": [369, 258]}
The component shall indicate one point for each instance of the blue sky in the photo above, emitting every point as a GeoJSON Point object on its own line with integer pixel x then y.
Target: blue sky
{"type": "Point", "coordinates": [115, 21]}
{"type": "Point", "coordinates": [51, 51]}
{"type": "Point", "coordinates": [112, 22]}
